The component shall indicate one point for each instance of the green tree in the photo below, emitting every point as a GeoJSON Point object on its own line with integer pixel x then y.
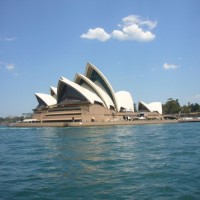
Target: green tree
{"type": "Point", "coordinates": [195, 107]}
{"type": "Point", "coordinates": [171, 107]}
{"type": "Point", "coordinates": [185, 109]}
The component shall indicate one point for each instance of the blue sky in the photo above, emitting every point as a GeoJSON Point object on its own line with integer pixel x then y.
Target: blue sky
{"type": "Point", "coordinates": [149, 48]}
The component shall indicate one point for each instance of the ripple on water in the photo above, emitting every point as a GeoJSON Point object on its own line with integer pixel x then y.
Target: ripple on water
{"type": "Point", "coordinates": [120, 162]}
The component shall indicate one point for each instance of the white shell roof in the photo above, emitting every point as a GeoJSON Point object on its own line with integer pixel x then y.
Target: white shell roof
{"type": "Point", "coordinates": [124, 100]}
{"type": "Point", "coordinates": [87, 72]}
{"type": "Point", "coordinates": [100, 92]}
{"type": "Point", "coordinates": [153, 107]}
{"type": "Point", "coordinates": [53, 89]}
{"type": "Point", "coordinates": [90, 96]}
{"type": "Point", "coordinates": [46, 98]}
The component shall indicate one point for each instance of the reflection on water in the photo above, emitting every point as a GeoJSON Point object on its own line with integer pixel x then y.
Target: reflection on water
{"type": "Point", "coordinates": [120, 162]}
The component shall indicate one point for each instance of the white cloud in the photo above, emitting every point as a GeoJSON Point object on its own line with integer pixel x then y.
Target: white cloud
{"type": "Point", "coordinates": [133, 32]}
{"type": "Point", "coordinates": [132, 28]}
{"type": "Point", "coordinates": [97, 33]}
{"type": "Point", "coordinates": [10, 67]}
{"type": "Point", "coordinates": [8, 39]}
{"type": "Point", "coordinates": [135, 19]}
{"type": "Point", "coordinates": [195, 98]}
{"type": "Point", "coordinates": [167, 66]}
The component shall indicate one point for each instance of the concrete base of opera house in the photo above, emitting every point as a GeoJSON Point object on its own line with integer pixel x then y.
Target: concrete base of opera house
{"type": "Point", "coordinates": [86, 124]}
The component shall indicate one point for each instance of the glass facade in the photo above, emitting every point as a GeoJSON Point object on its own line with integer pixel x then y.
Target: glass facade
{"type": "Point", "coordinates": [68, 94]}
{"type": "Point", "coordinates": [142, 108]}
{"type": "Point", "coordinates": [95, 77]}
{"type": "Point", "coordinates": [41, 103]}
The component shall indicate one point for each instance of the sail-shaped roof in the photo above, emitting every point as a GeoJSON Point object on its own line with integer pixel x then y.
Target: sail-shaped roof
{"type": "Point", "coordinates": [125, 101]}
{"type": "Point", "coordinates": [53, 91]}
{"type": "Point", "coordinates": [151, 107]}
{"type": "Point", "coordinates": [70, 92]}
{"type": "Point", "coordinates": [96, 76]}
{"type": "Point", "coordinates": [88, 84]}
{"type": "Point", "coordinates": [45, 99]}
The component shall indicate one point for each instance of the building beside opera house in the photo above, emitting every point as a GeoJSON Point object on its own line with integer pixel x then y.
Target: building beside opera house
{"type": "Point", "coordinates": [89, 97]}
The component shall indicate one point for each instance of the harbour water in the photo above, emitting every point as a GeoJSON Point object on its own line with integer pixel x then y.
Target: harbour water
{"type": "Point", "coordinates": [160, 161]}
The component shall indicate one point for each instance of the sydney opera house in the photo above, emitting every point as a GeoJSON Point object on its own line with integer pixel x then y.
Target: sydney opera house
{"type": "Point", "coordinates": [89, 97]}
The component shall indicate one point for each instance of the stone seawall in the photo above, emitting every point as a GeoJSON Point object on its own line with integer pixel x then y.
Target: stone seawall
{"type": "Point", "coordinates": [42, 124]}
{"type": "Point", "coordinates": [85, 124]}
{"type": "Point", "coordinates": [114, 123]}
